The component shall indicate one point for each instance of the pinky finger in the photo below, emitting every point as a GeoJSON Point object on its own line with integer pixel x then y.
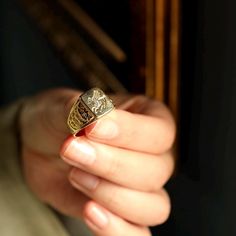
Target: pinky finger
{"type": "Point", "coordinates": [104, 223]}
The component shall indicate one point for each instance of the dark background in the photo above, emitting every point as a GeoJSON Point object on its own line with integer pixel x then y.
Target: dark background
{"type": "Point", "coordinates": [203, 192]}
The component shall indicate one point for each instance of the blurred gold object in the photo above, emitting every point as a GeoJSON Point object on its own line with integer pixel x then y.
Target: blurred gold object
{"type": "Point", "coordinates": [86, 64]}
{"type": "Point", "coordinates": [101, 37]}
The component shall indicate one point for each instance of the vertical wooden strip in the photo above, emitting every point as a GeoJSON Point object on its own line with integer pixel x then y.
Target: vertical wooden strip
{"type": "Point", "coordinates": [174, 56]}
{"type": "Point", "coordinates": [173, 89]}
{"type": "Point", "coordinates": [160, 49]}
{"type": "Point", "coordinates": [95, 31]}
{"type": "Point", "coordinates": [150, 45]}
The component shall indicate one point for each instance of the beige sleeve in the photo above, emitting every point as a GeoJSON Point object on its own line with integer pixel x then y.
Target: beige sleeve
{"type": "Point", "coordinates": [21, 213]}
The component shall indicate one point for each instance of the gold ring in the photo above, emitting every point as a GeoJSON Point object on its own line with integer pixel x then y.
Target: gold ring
{"type": "Point", "coordinates": [90, 106]}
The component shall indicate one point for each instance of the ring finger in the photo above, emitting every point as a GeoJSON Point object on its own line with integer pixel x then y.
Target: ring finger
{"type": "Point", "coordinates": [137, 207]}
{"type": "Point", "coordinates": [104, 223]}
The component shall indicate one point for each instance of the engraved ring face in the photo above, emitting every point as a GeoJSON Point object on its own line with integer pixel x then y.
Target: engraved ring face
{"type": "Point", "coordinates": [90, 106]}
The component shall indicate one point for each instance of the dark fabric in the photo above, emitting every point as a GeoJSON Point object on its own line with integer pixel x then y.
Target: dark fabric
{"type": "Point", "coordinates": [204, 192]}
{"type": "Point", "coordinates": [22, 213]}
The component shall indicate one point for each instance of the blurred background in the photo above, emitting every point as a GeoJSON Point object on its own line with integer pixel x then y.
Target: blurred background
{"type": "Point", "coordinates": [180, 52]}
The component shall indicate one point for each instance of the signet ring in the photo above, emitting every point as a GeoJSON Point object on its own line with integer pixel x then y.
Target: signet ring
{"type": "Point", "coordinates": [90, 106]}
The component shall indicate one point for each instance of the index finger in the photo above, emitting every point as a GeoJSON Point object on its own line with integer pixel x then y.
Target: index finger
{"type": "Point", "coordinates": [44, 123]}
{"type": "Point", "coordinates": [139, 124]}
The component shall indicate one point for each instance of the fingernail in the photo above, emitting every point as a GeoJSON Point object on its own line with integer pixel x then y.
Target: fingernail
{"type": "Point", "coordinates": [105, 129]}
{"type": "Point", "coordinates": [97, 217]}
{"type": "Point", "coordinates": [79, 151]}
{"type": "Point", "coordinates": [84, 180]}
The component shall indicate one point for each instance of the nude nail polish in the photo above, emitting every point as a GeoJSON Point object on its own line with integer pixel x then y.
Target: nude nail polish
{"type": "Point", "coordinates": [80, 151]}
{"type": "Point", "coordinates": [97, 217]}
{"type": "Point", "coordinates": [84, 180]}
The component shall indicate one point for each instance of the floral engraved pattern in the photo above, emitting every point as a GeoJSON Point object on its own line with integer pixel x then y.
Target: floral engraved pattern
{"type": "Point", "coordinates": [98, 102]}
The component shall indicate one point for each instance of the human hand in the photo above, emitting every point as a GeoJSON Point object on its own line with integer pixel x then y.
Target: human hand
{"type": "Point", "coordinates": [113, 175]}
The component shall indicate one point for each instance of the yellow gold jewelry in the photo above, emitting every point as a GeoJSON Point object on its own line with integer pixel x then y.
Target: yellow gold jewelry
{"type": "Point", "coordinates": [90, 106]}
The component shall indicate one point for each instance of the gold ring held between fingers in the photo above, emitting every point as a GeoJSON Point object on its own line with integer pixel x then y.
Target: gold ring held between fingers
{"type": "Point", "coordinates": [90, 106]}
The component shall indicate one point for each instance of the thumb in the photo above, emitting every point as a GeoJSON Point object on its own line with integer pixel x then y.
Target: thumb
{"type": "Point", "coordinates": [43, 120]}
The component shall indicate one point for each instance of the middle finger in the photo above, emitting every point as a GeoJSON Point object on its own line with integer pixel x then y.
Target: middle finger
{"type": "Point", "coordinates": [136, 170]}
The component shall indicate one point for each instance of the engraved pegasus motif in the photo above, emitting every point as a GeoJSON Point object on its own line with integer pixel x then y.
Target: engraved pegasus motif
{"type": "Point", "coordinates": [97, 101]}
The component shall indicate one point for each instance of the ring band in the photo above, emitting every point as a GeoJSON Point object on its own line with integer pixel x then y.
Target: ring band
{"type": "Point", "coordinates": [90, 106]}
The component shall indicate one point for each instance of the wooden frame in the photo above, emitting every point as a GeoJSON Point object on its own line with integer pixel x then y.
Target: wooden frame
{"type": "Point", "coordinates": [154, 46]}
{"type": "Point", "coordinates": [162, 51]}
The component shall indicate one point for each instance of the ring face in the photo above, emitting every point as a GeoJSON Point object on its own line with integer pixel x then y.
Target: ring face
{"type": "Point", "coordinates": [90, 106]}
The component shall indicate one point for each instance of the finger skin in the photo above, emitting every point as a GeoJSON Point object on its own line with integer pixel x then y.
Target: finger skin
{"type": "Point", "coordinates": [47, 178]}
{"type": "Point", "coordinates": [136, 170]}
{"type": "Point", "coordinates": [138, 207]}
{"type": "Point", "coordinates": [44, 129]}
{"type": "Point", "coordinates": [133, 131]}
{"type": "Point", "coordinates": [94, 215]}
{"type": "Point", "coordinates": [44, 120]}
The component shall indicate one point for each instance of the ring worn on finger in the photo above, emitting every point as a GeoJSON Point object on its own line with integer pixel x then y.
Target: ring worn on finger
{"type": "Point", "coordinates": [90, 106]}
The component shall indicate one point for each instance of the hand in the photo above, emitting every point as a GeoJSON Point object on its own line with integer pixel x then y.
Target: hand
{"type": "Point", "coordinates": [113, 175]}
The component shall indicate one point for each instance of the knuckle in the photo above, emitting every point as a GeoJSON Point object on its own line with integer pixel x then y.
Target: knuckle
{"type": "Point", "coordinates": [154, 181]}
{"type": "Point", "coordinates": [166, 169]}
{"type": "Point", "coordinates": [170, 164]}
{"type": "Point", "coordinates": [113, 167]}
{"type": "Point", "coordinates": [160, 172]}
{"type": "Point", "coordinates": [164, 214]}
{"type": "Point", "coordinates": [165, 208]}
{"type": "Point", "coordinates": [168, 134]}
{"type": "Point", "coordinates": [139, 103]}
{"type": "Point", "coordinates": [167, 124]}
{"type": "Point", "coordinates": [112, 200]}
{"type": "Point", "coordinates": [158, 212]}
